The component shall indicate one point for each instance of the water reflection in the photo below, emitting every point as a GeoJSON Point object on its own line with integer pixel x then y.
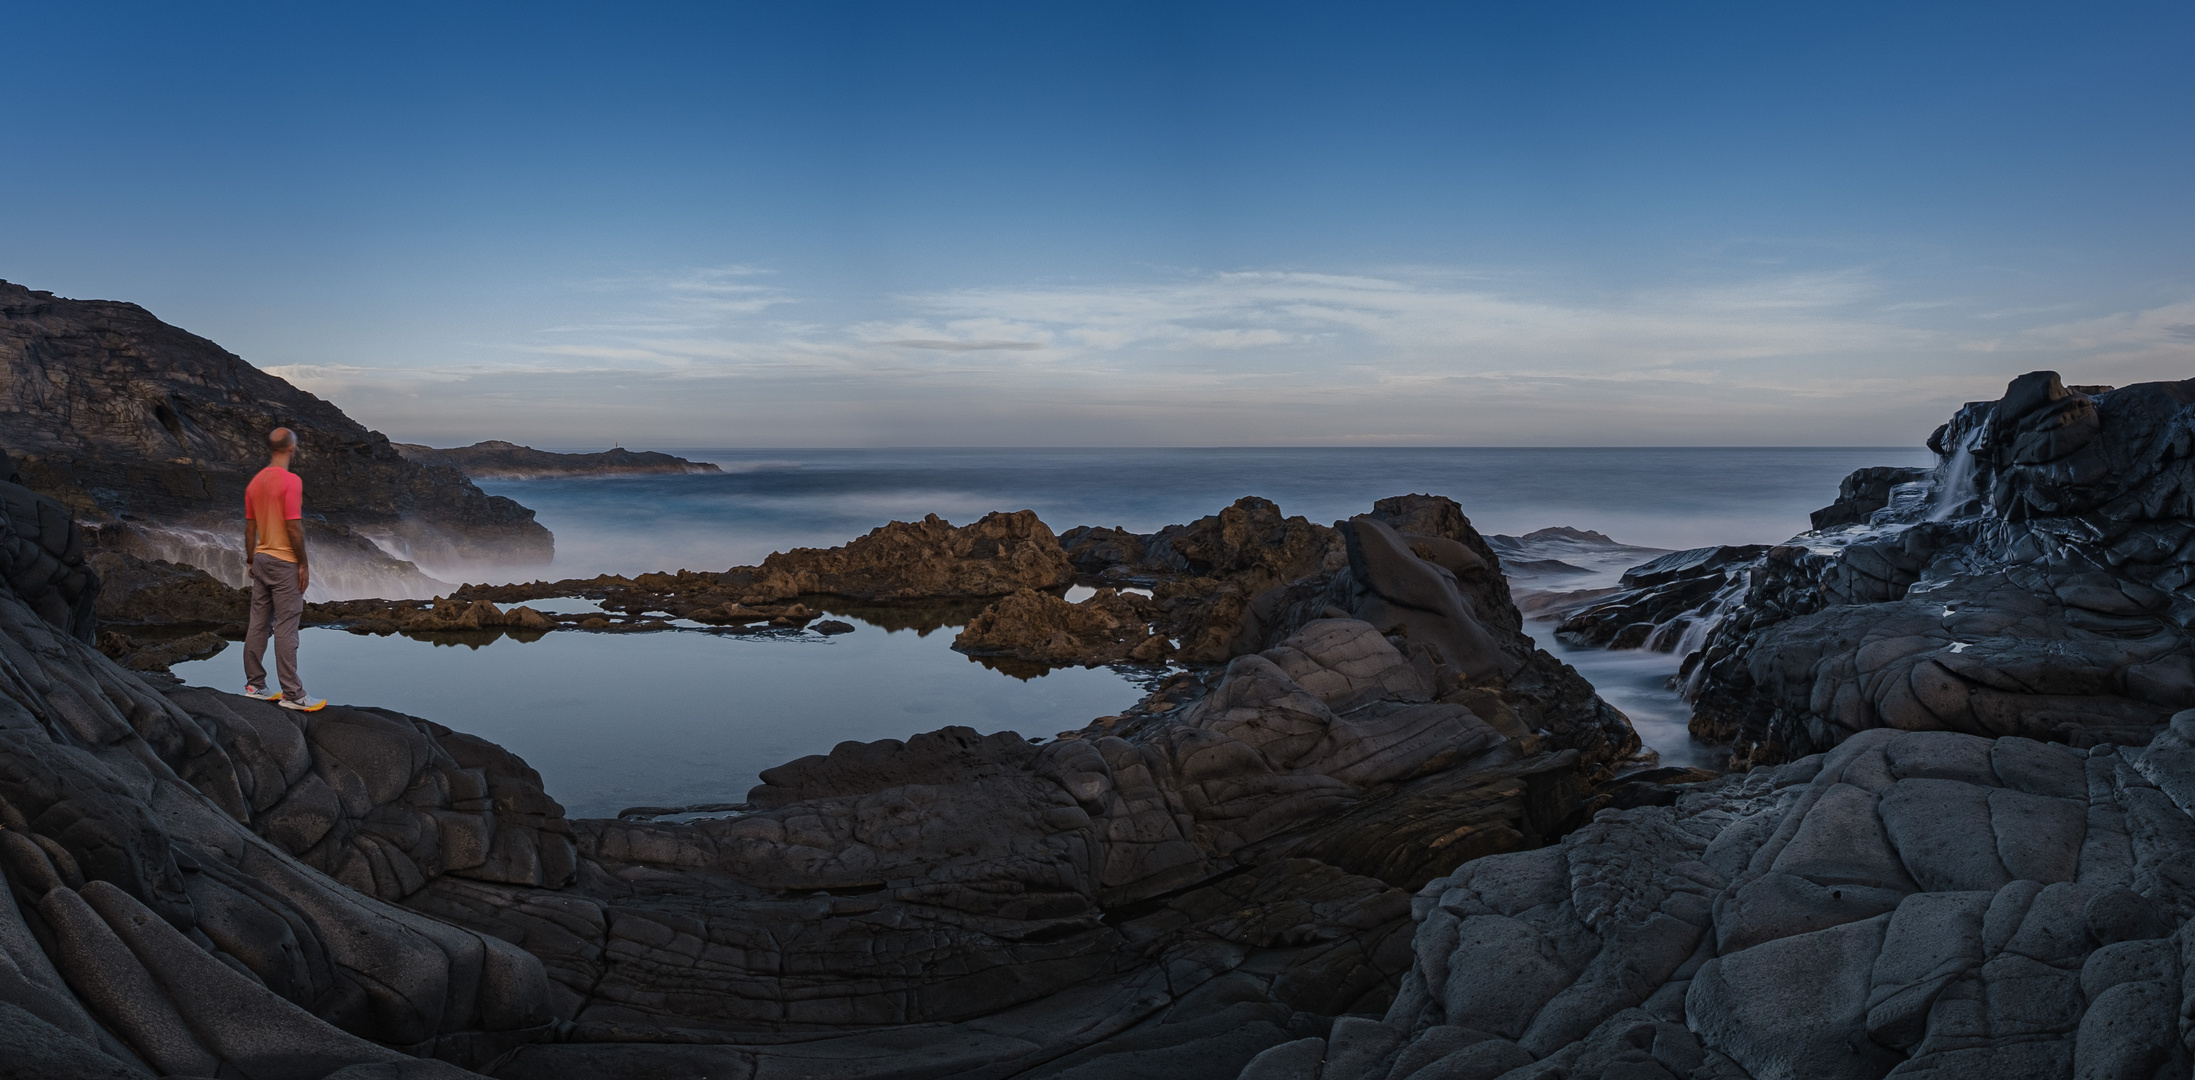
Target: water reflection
{"type": "Point", "coordinates": [681, 717]}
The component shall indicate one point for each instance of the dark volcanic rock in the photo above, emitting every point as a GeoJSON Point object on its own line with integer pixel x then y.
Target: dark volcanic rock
{"type": "Point", "coordinates": [1831, 918]}
{"type": "Point", "coordinates": [2041, 589]}
{"type": "Point", "coordinates": [1109, 627]}
{"type": "Point", "coordinates": [1208, 574]}
{"type": "Point", "coordinates": [46, 568]}
{"type": "Point", "coordinates": [151, 433]}
{"type": "Point", "coordinates": [1864, 492]}
{"type": "Point", "coordinates": [1219, 870]}
{"type": "Point", "coordinates": [499, 460]}
{"type": "Point", "coordinates": [151, 910]}
{"type": "Point", "coordinates": [1658, 604]}
{"type": "Point", "coordinates": [141, 593]}
{"type": "Point", "coordinates": [994, 556]}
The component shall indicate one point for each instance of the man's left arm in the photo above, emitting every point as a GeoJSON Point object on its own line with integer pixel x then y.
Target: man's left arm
{"type": "Point", "coordinates": [293, 510]}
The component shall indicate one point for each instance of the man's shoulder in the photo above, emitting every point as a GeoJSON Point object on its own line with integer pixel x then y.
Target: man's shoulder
{"type": "Point", "coordinates": [280, 479]}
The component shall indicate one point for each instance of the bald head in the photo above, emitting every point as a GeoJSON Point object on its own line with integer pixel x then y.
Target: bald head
{"type": "Point", "coordinates": [281, 442]}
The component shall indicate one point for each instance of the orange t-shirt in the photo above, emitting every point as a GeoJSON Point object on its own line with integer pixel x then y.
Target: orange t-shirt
{"type": "Point", "coordinates": [274, 498]}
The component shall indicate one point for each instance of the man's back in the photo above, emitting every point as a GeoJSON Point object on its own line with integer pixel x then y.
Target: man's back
{"type": "Point", "coordinates": [274, 498]}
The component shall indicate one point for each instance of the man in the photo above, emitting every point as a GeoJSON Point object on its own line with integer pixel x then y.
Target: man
{"type": "Point", "coordinates": [274, 559]}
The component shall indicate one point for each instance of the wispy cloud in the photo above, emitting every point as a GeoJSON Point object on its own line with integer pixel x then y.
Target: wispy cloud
{"type": "Point", "coordinates": [1286, 356]}
{"type": "Point", "coordinates": [948, 345]}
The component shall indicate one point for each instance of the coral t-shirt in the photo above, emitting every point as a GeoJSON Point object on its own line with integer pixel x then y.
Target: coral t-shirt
{"type": "Point", "coordinates": [273, 498]}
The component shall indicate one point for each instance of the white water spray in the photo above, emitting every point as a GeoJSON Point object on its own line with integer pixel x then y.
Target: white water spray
{"type": "Point", "coordinates": [1955, 478]}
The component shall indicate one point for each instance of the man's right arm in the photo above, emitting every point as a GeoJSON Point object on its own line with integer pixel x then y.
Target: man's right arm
{"type": "Point", "coordinates": [251, 543]}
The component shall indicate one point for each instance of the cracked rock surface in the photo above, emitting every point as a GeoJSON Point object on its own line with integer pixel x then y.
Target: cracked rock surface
{"type": "Point", "coordinates": [2040, 583]}
{"type": "Point", "coordinates": [1908, 904]}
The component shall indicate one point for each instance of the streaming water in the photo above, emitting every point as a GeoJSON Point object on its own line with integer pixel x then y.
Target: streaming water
{"type": "Point", "coordinates": [1955, 478]}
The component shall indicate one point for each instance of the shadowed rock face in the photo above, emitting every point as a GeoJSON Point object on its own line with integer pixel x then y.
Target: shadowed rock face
{"type": "Point", "coordinates": [2041, 587]}
{"type": "Point", "coordinates": [1911, 903]}
{"type": "Point", "coordinates": [150, 433]}
{"type": "Point", "coordinates": [44, 553]}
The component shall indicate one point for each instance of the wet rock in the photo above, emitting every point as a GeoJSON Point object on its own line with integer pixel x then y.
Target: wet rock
{"type": "Point", "coordinates": [1864, 492]}
{"type": "Point", "coordinates": [1659, 603]}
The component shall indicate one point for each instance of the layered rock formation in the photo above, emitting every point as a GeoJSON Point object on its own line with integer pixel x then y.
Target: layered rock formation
{"type": "Point", "coordinates": [1909, 904]}
{"type": "Point", "coordinates": [150, 433]}
{"type": "Point", "coordinates": [164, 909]}
{"type": "Point", "coordinates": [499, 460]}
{"type": "Point", "coordinates": [2037, 585]}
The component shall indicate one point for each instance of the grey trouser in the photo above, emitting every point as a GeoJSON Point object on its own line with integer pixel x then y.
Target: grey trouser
{"type": "Point", "coordinates": [277, 605]}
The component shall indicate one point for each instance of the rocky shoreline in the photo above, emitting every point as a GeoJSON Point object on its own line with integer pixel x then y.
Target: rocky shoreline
{"type": "Point", "coordinates": [1371, 832]}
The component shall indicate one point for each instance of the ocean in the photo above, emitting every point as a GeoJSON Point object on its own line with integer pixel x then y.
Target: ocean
{"type": "Point", "coordinates": [680, 718]}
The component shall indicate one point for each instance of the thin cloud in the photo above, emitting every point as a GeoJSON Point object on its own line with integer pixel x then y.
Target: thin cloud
{"type": "Point", "coordinates": [945, 345]}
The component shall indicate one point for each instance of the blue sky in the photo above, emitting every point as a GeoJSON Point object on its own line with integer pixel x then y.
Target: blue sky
{"type": "Point", "coordinates": [819, 224]}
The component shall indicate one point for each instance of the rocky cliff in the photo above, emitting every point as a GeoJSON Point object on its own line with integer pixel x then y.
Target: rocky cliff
{"type": "Point", "coordinates": [149, 434]}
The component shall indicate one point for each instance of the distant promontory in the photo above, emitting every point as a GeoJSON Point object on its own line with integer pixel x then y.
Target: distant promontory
{"type": "Point", "coordinates": [499, 460]}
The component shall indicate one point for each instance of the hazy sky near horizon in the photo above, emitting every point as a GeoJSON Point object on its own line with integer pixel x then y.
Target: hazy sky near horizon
{"type": "Point", "coordinates": [1164, 223]}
